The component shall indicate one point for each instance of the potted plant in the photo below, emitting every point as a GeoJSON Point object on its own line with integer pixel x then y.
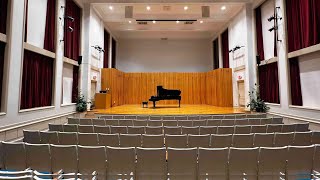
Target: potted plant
{"type": "Point", "coordinates": [81, 105]}
{"type": "Point", "coordinates": [256, 103]}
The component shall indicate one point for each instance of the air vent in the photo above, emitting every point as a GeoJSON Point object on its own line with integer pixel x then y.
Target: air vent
{"type": "Point", "coordinates": [166, 8]}
{"type": "Point", "coordinates": [142, 22]}
{"type": "Point", "coordinates": [164, 39]}
{"type": "Point", "coordinates": [188, 22]}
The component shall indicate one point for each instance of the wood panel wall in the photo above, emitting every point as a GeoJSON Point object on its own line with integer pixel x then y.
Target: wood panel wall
{"type": "Point", "coordinates": [212, 88]}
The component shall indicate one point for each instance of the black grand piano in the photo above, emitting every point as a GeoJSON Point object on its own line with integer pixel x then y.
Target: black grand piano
{"type": "Point", "coordinates": [165, 94]}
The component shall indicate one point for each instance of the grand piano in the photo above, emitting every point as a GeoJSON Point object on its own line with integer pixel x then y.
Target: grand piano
{"type": "Point", "coordinates": [165, 94]}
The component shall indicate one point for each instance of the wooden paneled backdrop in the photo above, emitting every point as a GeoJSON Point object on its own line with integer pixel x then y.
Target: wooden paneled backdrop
{"type": "Point", "coordinates": [211, 88]}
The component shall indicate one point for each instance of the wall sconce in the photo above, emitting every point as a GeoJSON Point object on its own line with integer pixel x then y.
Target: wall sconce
{"type": "Point", "coordinates": [98, 48]}
{"type": "Point", "coordinates": [235, 48]}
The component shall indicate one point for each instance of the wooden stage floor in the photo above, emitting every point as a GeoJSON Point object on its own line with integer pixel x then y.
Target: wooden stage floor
{"type": "Point", "coordinates": [170, 110]}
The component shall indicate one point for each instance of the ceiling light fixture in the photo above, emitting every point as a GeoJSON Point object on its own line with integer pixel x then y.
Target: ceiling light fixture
{"type": "Point", "coordinates": [130, 22]}
{"type": "Point", "coordinates": [223, 8]}
{"type": "Point", "coordinates": [154, 21]}
{"type": "Point", "coordinates": [186, 8]}
{"type": "Point", "coordinates": [201, 21]}
{"type": "Point", "coordinates": [148, 8]}
{"type": "Point", "coordinates": [177, 21]}
{"type": "Point", "coordinates": [111, 7]}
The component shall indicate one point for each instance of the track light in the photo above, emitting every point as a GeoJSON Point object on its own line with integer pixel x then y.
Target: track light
{"type": "Point", "coordinates": [271, 18]}
{"type": "Point", "coordinates": [98, 48]}
{"type": "Point", "coordinates": [274, 28]}
{"type": "Point", "coordinates": [69, 18]}
{"type": "Point", "coordinates": [70, 29]}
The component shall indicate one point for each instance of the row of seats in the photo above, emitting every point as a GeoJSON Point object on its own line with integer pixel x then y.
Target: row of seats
{"type": "Point", "coordinates": [210, 122]}
{"type": "Point", "coordinates": [184, 117]}
{"type": "Point", "coordinates": [177, 141]}
{"type": "Point", "coordinates": [181, 130]}
{"type": "Point", "coordinates": [174, 163]}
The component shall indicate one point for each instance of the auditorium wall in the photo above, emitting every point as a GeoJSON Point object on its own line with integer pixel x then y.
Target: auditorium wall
{"type": "Point", "coordinates": [172, 55]}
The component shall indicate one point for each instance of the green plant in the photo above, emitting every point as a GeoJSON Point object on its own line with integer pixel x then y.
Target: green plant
{"type": "Point", "coordinates": [256, 103]}
{"type": "Point", "coordinates": [81, 105]}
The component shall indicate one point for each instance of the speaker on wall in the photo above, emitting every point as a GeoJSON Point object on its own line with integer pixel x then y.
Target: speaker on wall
{"type": "Point", "coordinates": [258, 60]}
{"type": "Point", "coordinates": [80, 60]}
{"type": "Point", "coordinates": [205, 11]}
{"type": "Point", "coordinates": [128, 12]}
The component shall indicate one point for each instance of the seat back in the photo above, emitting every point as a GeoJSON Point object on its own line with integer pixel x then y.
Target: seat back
{"type": "Point", "coordinates": [205, 117]}
{"type": "Point", "coordinates": [301, 127]}
{"type": "Point", "coordinates": [102, 129]}
{"type": "Point", "coordinates": [217, 117]}
{"type": "Point", "coordinates": [213, 169]}
{"type": "Point", "coordinates": [112, 122]}
{"type": "Point", "coordinates": [154, 123]}
{"type": "Point", "coordinates": [38, 157]}
{"type": "Point", "coordinates": [154, 130]}
{"type": "Point", "coordinates": [152, 141]}
{"type": "Point", "coordinates": [173, 130]}
{"type": "Point", "coordinates": [241, 122]}
{"type": "Point", "coordinates": [168, 118]}
{"type": "Point", "coordinates": [121, 163]}
{"type": "Point", "coordinates": [73, 121]}
{"type": "Point", "coordinates": [125, 122]}
{"type": "Point", "coordinates": [142, 117]}
{"type": "Point", "coordinates": [199, 122]}
{"type": "Point", "coordinates": [193, 117]}
{"type": "Point", "coordinates": [186, 123]}
{"type": "Point", "coordinates": [254, 121]}
{"type": "Point", "coordinates": [263, 140]}
{"type": "Point", "coordinates": [258, 129]}
{"type": "Point", "coordinates": [316, 159]}
{"type": "Point", "coordinates": [14, 156]}
{"type": "Point", "coordinates": [155, 117]}
{"type": "Point", "coordinates": [302, 138]}
{"type": "Point", "coordinates": [136, 130]}
{"type": "Point", "coordinates": [225, 129]}
{"type": "Point", "coordinates": [64, 157]}
{"type": "Point", "coordinates": [176, 141]}
{"type": "Point", "coordinates": [227, 122]}
{"type": "Point", "coordinates": [283, 139]}
{"type": "Point", "coordinates": [31, 136]}
{"type": "Point", "coordinates": [273, 128]}
{"type": "Point", "coordinates": [170, 123]}
{"type": "Point", "coordinates": [191, 130]}
{"type": "Point", "coordinates": [49, 137]}
{"type": "Point", "coordinates": [109, 140]}
{"type": "Point", "coordinates": [242, 140]}
{"type": "Point", "coordinates": [85, 121]}
{"type": "Point", "coordinates": [272, 162]}
{"type": "Point", "coordinates": [242, 130]}
{"type": "Point", "coordinates": [85, 128]}
{"type": "Point", "coordinates": [182, 163]}
{"type": "Point", "coordinates": [277, 120]}
{"type": "Point", "coordinates": [199, 141]}
{"type": "Point", "coordinates": [241, 116]}
{"type": "Point", "coordinates": [119, 129]}
{"type": "Point", "coordinates": [92, 158]}
{"type": "Point", "coordinates": [68, 138]}
{"type": "Point", "coordinates": [130, 140]}
{"type": "Point", "coordinates": [98, 122]}
{"type": "Point", "coordinates": [213, 122]}
{"type": "Point", "coordinates": [315, 137]}
{"type": "Point", "coordinates": [130, 117]}
{"type": "Point", "coordinates": [265, 121]}
{"type": "Point", "coordinates": [221, 141]}
{"type": "Point", "coordinates": [56, 127]}
{"type": "Point", "coordinates": [288, 128]}
{"type": "Point", "coordinates": [70, 128]}
{"type": "Point", "coordinates": [140, 122]}
{"type": "Point", "coordinates": [88, 139]}
{"type": "Point", "coordinates": [237, 167]}
{"type": "Point", "coordinates": [208, 129]}
{"type": "Point", "coordinates": [151, 163]}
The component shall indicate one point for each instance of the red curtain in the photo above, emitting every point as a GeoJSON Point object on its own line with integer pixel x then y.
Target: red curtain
{"type": "Point", "coordinates": [37, 79]}
{"type": "Point", "coordinates": [296, 96]}
{"type": "Point", "coordinates": [106, 50]}
{"type": "Point", "coordinates": [269, 83]}
{"type": "Point", "coordinates": [2, 49]}
{"type": "Point", "coordinates": [3, 16]}
{"type": "Point", "coordinates": [260, 49]}
{"type": "Point", "coordinates": [75, 84]}
{"type": "Point", "coordinates": [215, 54]}
{"type": "Point", "coordinates": [49, 38]}
{"type": "Point", "coordinates": [225, 49]}
{"type": "Point", "coordinates": [303, 23]}
{"type": "Point", "coordinates": [114, 51]}
{"type": "Point", "coordinates": [72, 39]}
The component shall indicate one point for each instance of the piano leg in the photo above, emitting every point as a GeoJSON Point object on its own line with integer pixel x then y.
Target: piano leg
{"type": "Point", "coordinates": [179, 103]}
{"type": "Point", "coordinates": [154, 104]}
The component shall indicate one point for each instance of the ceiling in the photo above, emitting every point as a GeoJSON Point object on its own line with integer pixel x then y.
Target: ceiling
{"type": "Point", "coordinates": [202, 28]}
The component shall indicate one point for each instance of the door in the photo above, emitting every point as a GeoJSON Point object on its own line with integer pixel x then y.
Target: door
{"type": "Point", "coordinates": [241, 92]}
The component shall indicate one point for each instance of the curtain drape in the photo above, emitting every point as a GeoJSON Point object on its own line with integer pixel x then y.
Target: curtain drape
{"type": "Point", "coordinates": [215, 54]}
{"type": "Point", "coordinates": [75, 84]}
{"type": "Point", "coordinates": [259, 33]}
{"type": "Point", "coordinates": [225, 48]}
{"type": "Point", "coordinates": [296, 96]}
{"type": "Point", "coordinates": [37, 79]}
{"type": "Point", "coordinates": [72, 39]}
{"type": "Point", "coordinates": [3, 16]}
{"type": "Point", "coordinates": [2, 49]}
{"type": "Point", "coordinates": [269, 83]}
{"type": "Point", "coordinates": [114, 51]}
{"type": "Point", "coordinates": [303, 23]}
{"type": "Point", "coordinates": [106, 50]}
{"type": "Point", "coordinates": [49, 38]}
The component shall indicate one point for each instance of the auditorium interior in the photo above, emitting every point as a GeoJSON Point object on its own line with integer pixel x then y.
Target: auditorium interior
{"type": "Point", "coordinates": [160, 89]}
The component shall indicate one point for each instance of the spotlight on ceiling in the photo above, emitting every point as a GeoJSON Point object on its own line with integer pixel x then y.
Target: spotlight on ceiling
{"type": "Point", "coordinates": [223, 8]}
{"type": "Point", "coordinates": [111, 7]}
{"type": "Point", "coordinates": [153, 21]}
{"type": "Point", "coordinates": [148, 8]}
{"type": "Point", "coordinates": [201, 22]}
{"type": "Point", "coordinates": [177, 21]}
{"type": "Point", "coordinates": [186, 8]}
{"type": "Point", "coordinates": [130, 22]}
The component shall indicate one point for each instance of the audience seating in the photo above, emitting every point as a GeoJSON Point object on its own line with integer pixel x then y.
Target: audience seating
{"type": "Point", "coordinates": [290, 162]}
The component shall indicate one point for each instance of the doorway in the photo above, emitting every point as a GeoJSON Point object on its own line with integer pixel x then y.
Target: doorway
{"type": "Point", "coordinates": [241, 95]}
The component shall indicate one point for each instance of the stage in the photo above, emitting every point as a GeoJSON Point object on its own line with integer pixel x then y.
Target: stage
{"type": "Point", "coordinates": [170, 110]}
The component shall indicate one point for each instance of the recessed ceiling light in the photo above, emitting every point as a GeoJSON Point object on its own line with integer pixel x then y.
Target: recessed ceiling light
{"type": "Point", "coordinates": [148, 8]}
{"type": "Point", "coordinates": [201, 21]}
{"type": "Point", "coordinates": [130, 22]}
{"type": "Point", "coordinates": [223, 8]}
{"type": "Point", "coordinates": [154, 21]}
{"type": "Point", "coordinates": [186, 8]}
{"type": "Point", "coordinates": [111, 7]}
{"type": "Point", "coordinates": [177, 21]}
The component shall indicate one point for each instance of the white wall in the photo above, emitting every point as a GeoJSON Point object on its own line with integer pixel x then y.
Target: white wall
{"type": "Point", "coordinates": [267, 10]}
{"type": "Point", "coordinates": [164, 55]}
{"type": "Point", "coordinates": [67, 83]}
{"type": "Point", "coordinates": [310, 79]}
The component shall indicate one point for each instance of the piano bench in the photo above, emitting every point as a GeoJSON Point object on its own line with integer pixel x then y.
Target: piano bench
{"type": "Point", "coordinates": [144, 104]}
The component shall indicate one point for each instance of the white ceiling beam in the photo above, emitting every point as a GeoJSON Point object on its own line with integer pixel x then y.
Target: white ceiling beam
{"type": "Point", "coordinates": [167, 1]}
